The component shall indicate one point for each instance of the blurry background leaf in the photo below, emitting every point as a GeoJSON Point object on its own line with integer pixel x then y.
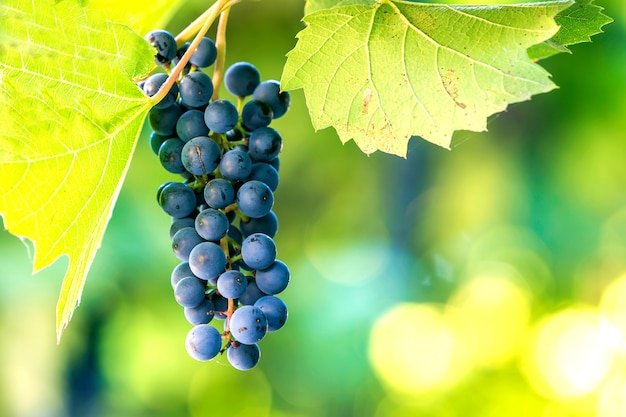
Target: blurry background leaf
{"type": "Point", "coordinates": [140, 16]}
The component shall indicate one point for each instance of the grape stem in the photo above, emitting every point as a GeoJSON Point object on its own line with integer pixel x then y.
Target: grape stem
{"type": "Point", "coordinates": [207, 19]}
{"type": "Point", "coordinates": [220, 43]}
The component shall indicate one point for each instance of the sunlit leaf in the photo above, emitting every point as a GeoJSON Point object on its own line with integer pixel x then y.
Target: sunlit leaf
{"type": "Point", "coordinates": [384, 72]}
{"type": "Point", "coordinates": [70, 116]}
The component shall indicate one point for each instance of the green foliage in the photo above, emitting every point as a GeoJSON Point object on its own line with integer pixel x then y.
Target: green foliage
{"type": "Point", "coordinates": [71, 115]}
{"type": "Point", "coordinates": [577, 24]}
{"type": "Point", "coordinates": [384, 72]}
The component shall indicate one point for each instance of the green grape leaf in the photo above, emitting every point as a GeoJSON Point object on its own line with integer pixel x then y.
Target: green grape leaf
{"type": "Point", "coordinates": [577, 24]}
{"type": "Point", "coordinates": [315, 5]}
{"type": "Point", "coordinates": [384, 72]}
{"type": "Point", "coordinates": [70, 116]}
{"type": "Point", "coordinates": [138, 15]}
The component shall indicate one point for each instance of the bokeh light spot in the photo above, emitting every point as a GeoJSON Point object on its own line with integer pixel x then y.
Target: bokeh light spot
{"type": "Point", "coordinates": [570, 355]}
{"type": "Point", "coordinates": [412, 349]}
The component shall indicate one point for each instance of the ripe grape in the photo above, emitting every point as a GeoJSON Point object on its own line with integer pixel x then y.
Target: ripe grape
{"type": "Point", "coordinates": [203, 342]}
{"type": "Point", "coordinates": [165, 45]}
{"type": "Point", "coordinates": [258, 251]}
{"type": "Point", "coordinates": [196, 89]}
{"type": "Point", "coordinates": [221, 116]}
{"type": "Point", "coordinates": [269, 92]}
{"type": "Point", "coordinates": [274, 279]}
{"type": "Point", "coordinates": [248, 325]}
{"type": "Point", "coordinates": [241, 79]}
{"type": "Point", "coordinates": [243, 357]}
{"type": "Point", "coordinates": [255, 199]}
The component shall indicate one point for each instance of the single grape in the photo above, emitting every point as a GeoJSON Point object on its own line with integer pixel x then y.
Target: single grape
{"type": "Point", "coordinates": [156, 141]}
{"type": "Point", "coordinates": [163, 121]}
{"type": "Point", "coordinates": [221, 306]}
{"type": "Point", "coordinates": [203, 342]}
{"type": "Point", "coordinates": [241, 79]}
{"type": "Point", "coordinates": [207, 260]}
{"type": "Point", "coordinates": [181, 271]}
{"type": "Point", "coordinates": [200, 155]}
{"type": "Point", "coordinates": [165, 44]}
{"type": "Point", "coordinates": [170, 155]}
{"type": "Point", "coordinates": [212, 224]}
{"type": "Point", "coordinates": [251, 294]}
{"type": "Point", "coordinates": [190, 125]}
{"type": "Point", "coordinates": [221, 116]}
{"type": "Point", "coordinates": [243, 357]}
{"type": "Point", "coordinates": [205, 54]}
{"type": "Point", "coordinates": [265, 173]}
{"type": "Point", "coordinates": [219, 193]}
{"type": "Point", "coordinates": [196, 89]}
{"type": "Point", "coordinates": [264, 144]}
{"type": "Point", "coordinates": [258, 251]}
{"type": "Point", "coordinates": [267, 224]}
{"type": "Point", "coordinates": [248, 324]}
{"type": "Point", "coordinates": [178, 224]}
{"type": "Point", "coordinates": [256, 114]}
{"type": "Point", "coordinates": [235, 165]}
{"type": "Point", "coordinates": [190, 292]}
{"type": "Point", "coordinates": [231, 284]}
{"type": "Point", "coordinates": [255, 199]}
{"type": "Point", "coordinates": [269, 92]}
{"type": "Point", "coordinates": [177, 199]}
{"type": "Point", "coordinates": [275, 310]}
{"type": "Point", "coordinates": [152, 85]}
{"type": "Point", "coordinates": [274, 279]}
{"type": "Point", "coordinates": [201, 314]}
{"type": "Point", "coordinates": [275, 163]}
{"type": "Point", "coordinates": [234, 135]}
{"type": "Point", "coordinates": [184, 241]}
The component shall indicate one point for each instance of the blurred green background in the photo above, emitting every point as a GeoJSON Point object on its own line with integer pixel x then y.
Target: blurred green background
{"type": "Point", "coordinates": [489, 280]}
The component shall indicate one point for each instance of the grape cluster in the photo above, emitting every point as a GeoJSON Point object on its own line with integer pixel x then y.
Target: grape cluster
{"type": "Point", "coordinates": [222, 220]}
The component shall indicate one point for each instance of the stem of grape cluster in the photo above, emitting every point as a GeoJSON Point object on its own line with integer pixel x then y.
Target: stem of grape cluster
{"type": "Point", "coordinates": [207, 18]}
{"type": "Point", "coordinates": [220, 63]}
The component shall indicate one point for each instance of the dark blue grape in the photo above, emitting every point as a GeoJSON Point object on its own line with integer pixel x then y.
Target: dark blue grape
{"type": "Point", "coordinates": [165, 44]}
{"type": "Point", "coordinates": [267, 224]}
{"type": "Point", "coordinates": [196, 89]}
{"type": "Point", "coordinates": [219, 193]}
{"type": "Point", "coordinates": [269, 92]}
{"type": "Point", "coordinates": [178, 224]}
{"type": "Point", "coordinates": [205, 54]}
{"type": "Point", "coordinates": [251, 294]}
{"type": "Point", "coordinates": [221, 116]}
{"type": "Point", "coordinates": [234, 135]}
{"type": "Point", "coordinates": [184, 241]}
{"type": "Point", "coordinates": [181, 271]}
{"type": "Point", "coordinates": [231, 284]}
{"type": "Point", "coordinates": [241, 79]}
{"type": "Point", "coordinates": [221, 305]}
{"type": "Point", "coordinates": [212, 224]}
{"type": "Point", "coordinates": [258, 251]}
{"type": "Point", "coordinates": [273, 279]}
{"type": "Point", "coordinates": [264, 144]}
{"type": "Point", "coordinates": [152, 85]}
{"type": "Point", "coordinates": [255, 199]}
{"type": "Point", "coordinates": [248, 324]}
{"type": "Point", "coordinates": [170, 155]}
{"type": "Point", "coordinates": [207, 260]}
{"type": "Point", "coordinates": [177, 199]}
{"type": "Point", "coordinates": [265, 173]}
{"type": "Point", "coordinates": [203, 342]}
{"type": "Point", "coordinates": [235, 165]}
{"type": "Point", "coordinates": [191, 125]}
{"type": "Point", "coordinates": [256, 114]}
{"type": "Point", "coordinates": [275, 310]}
{"type": "Point", "coordinates": [190, 292]}
{"type": "Point", "coordinates": [156, 141]}
{"type": "Point", "coordinates": [202, 314]}
{"type": "Point", "coordinates": [163, 121]}
{"type": "Point", "coordinates": [200, 155]}
{"type": "Point", "coordinates": [243, 357]}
